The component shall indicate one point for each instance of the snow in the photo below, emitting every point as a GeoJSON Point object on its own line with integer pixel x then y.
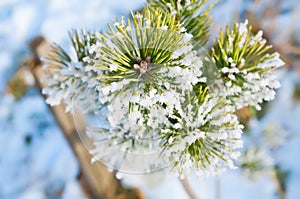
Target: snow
{"type": "Point", "coordinates": [35, 159]}
{"type": "Point", "coordinates": [44, 159]}
{"type": "Point", "coordinates": [44, 164]}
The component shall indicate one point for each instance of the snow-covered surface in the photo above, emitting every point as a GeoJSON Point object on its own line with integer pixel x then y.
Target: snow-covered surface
{"type": "Point", "coordinates": [37, 163]}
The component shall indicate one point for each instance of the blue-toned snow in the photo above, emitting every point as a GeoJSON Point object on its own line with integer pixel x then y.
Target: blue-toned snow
{"type": "Point", "coordinates": [35, 159]}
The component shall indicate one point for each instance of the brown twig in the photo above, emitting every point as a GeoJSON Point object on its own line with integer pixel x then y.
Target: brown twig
{"type": "Point", "coordinates": [279, 188]}
{"type": "Point", "coordinates": [188, 188]}
{"type": "Point", "coordinates": [217, 187]}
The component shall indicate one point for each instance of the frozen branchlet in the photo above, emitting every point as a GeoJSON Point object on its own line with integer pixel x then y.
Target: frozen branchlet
{"type": "Point", "coordinates": [71, 82]}
{"type": "Point", "coordinates": [72, 86]}
{"type": "Point", "coordinates": [246, 67]}
{"type": "Point", "coordinates": [204, 139]}
{"type": "Point", "coordinates": [148, 81]}
{"type": "Point", "coordinates": [182, 10]}
{"type": "Point", "coordinates": [150, 100]}
{"type": "Point", "coordinates": [255, 161]}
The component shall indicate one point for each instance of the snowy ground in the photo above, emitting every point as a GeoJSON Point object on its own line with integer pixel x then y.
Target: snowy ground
{"type": "Point", "coordinates": [35, 160]}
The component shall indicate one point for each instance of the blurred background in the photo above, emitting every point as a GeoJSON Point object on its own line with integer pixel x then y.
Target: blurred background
{"type": "Point", "coordinates": [36, 161]}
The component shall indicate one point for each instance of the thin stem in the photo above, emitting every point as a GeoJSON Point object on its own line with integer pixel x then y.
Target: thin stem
{"type": "Point", "coordinates": [217, 187]}
{"type": "Point", "coordinates": [279, 188]}
{"type": "Point", "coordinates": [188, 188]}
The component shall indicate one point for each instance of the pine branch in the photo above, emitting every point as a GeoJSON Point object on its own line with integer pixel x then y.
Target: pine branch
{"type": "Point", "coordinates": [242, 46]}
{"type": "Point", "coordinates": [244, 63]}
{"type": "Point", "coordinates": [188, 189]}
{"type": "Point", "coordinates": [194, 15]}
{"type": "Point", "coordinates": [67, 77]}
{"type": "Point", "coordinates": [151, 34]}
{"type": "Point", "coordinates": [81, 42]}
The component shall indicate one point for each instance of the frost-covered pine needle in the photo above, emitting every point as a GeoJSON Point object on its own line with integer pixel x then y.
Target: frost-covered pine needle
{"type": "Point", "coordinates": [246, 66]}
{"type": "Point", "coordinates": [150, 89]}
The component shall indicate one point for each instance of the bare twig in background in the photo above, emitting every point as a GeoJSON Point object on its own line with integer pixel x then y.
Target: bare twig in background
{"type": "Point", "coordinates": [217, 187]}
{"type": "Point", "coordinates": [188, 189]}
{"type": "Point", "coordinates": [279, 187]}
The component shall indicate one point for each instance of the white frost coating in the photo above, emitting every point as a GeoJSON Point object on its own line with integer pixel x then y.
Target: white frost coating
{"type": "Point", "coordinates": [73, 85]}
{"type": "Point", "coordinates": [141, 113]}
{"type": "Point", "coordinates": [243, 30]}
{"type": "Point", "coordinates": [138, 109]}
{"type": "Point", "coordinates": [182, 161]}
{"type": "Point", "coordinates": [257, 38]}
{"type": "Point", "coordinates": [273, 62]}
{"type": "Point", "coordinates": [187, 37]}
{"type": "Point", "coordinates": [164, 28]}
{"type": "Point", "coordinates": [257, 85]}
{"type": "Point", "coordinates": [258, 157]}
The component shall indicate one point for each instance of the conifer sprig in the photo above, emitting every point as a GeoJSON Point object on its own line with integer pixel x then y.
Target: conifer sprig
{"type": "Point", "coordinates": [147, 81]}
{"type": "Point", "coordinates": [193, 14]}
{"type": "Point", "coordinates": [245, 49]}
{"type": "Point", "coordinates": [245, 64]}
{"type": "Point", "coordinates": [67, 78]}
{"type": "Point", "coordinates": [150, 35]}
